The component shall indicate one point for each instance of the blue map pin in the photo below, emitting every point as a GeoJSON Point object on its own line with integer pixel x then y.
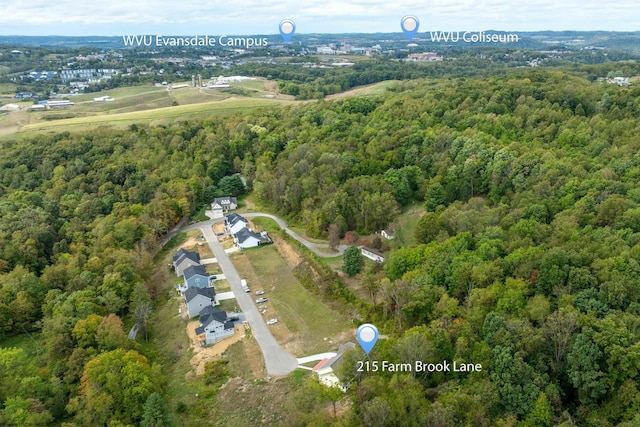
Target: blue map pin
{"type": "Point", "coordinates": [287, 28]}
{"type": "Point", "coordinates": [367, 335]}
{"type": "Point", "coordinates": [410, 25]}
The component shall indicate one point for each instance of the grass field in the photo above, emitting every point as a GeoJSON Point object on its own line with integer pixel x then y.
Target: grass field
{"type": "Point", "coordinates": [153, 106]}
{"type": "Point", "coordinates": [306, 325]}
{"type": "Point", "coordinates": [368, 90]}
{"type": "Point", "coordinates": [405, 225]}
{"type": "Point", "coordinates": [154, 117]}
{"type": "Point", "coordinates": [266, 224]}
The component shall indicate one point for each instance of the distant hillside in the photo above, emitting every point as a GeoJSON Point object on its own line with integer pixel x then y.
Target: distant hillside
{"type": "Point", "coordinates": [626, 41]}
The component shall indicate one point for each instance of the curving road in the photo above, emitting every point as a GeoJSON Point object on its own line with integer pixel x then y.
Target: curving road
{"type": "Point", "coordinates": [313, 247]}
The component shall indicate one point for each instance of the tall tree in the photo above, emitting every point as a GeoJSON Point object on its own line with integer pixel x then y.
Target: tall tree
{"type": "Point", "coordinates": [334, 236]}
{"type": "Point", "coordinates": [141, 315]}
{"type": "Point", "coordinates": [352, 261]}
{"type": "Point", "coordinates": [156, 412]}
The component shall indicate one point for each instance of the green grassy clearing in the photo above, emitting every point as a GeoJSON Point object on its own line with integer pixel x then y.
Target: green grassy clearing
{"type": "Point", "coordinates": [222, 285]}
{"type": "Point", "coordinates": [405, 225]}
{"type": "Point", "coordinates": [154, 116]}
{"type": "Point", "coordinates": [266, 224]}
{"type": "Point", "coordinates": [368, 90]}
{"type": "Point", "coordinates": [303, 313]}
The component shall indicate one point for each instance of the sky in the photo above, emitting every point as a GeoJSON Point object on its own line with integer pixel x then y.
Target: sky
{"type": "Point", "coordinates": [251, 17]}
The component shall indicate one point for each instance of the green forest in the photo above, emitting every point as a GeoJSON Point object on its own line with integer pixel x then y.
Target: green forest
{"type": "Point", "coordinates": [525, 258]}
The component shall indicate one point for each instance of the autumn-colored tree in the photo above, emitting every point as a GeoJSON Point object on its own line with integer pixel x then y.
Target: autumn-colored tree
{"type": "Point", "coordinates": [115, 386]}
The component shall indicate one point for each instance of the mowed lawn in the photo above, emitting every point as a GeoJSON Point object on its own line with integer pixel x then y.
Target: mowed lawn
{"type": "Point", "coordinates": [302, 316]}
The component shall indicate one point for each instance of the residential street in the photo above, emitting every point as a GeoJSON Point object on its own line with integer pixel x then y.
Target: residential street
{"type": "Point", "coordinates": [277, 361]}
{"type": "Point", "coordinates": [313, 247]}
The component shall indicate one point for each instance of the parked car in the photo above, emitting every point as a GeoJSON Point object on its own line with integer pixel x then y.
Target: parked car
{"type": "Point", "coordinates": [272, 321]}
{"type": "Point", "coordinates": [260, 300]}
{"type": "Point", "coordinates": [259, 292]}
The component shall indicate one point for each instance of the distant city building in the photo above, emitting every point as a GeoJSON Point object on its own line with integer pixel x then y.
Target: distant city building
{"type": "Point", "coordinates": [424, 57]}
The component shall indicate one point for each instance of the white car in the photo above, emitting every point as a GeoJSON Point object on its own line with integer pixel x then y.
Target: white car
{"type": "Point", "coordinates": [261, 300]}
{"type": "Point", "coordinates": [259, 292]}
{"type": "Point", "coordinates": [272, 321]}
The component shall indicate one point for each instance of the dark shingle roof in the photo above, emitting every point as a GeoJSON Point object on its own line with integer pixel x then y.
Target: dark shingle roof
{"type": "Point", "coordinates": [245, 233]}
{"type": "Point", "coordinates": [222, 201]}
{"type": "Point", "coordinates": [191, 293]}
{"type": "Point", "coordinates": [193, 270]}
{"type": "Point", "coordinates": [234, 218]}
{"type": "Point", "coordinates": [181, 256]}
{"type": "Point", "coordinates": [336, 360]}
{"type": "Point", "coordinates": [210, 313]}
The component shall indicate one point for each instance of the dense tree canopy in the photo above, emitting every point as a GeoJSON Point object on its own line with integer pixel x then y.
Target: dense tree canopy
{"type": "Point", "coordinates": [525, 260]}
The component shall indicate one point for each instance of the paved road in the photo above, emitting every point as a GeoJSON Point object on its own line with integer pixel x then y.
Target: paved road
{"type": "Point", "coordinates": [277, 361]}
{"type": "Point", "coordinates": [313, 247]}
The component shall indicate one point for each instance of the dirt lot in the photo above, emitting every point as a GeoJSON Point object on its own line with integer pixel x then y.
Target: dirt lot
{"type": "Point", "coordinates": [202, 355]}
{"type": "Point", "coordinates": [193, 243]}
{"type": "Point", "coordinates": [289, 254]}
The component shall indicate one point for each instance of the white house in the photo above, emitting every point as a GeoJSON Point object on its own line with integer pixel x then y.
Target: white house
{"type": "Point", "coordinates": [234, 223]}
{"type": "Point", "coordinates": [388, 234]}
{"type": "Point", "coordinates": [222, 205]}
{"type": "Point", "coordinates": [372, 254]}
{"type": "Point", "coordinates": [246, 238]}
{"type": "Point", "coordinates": [214, 326]}
{"type": "Point", "coordinates": [197, 299]}
{"type": "Point", "coordinates": [184, 259]}
{"type": "Point", "coordinates": [326, 369]}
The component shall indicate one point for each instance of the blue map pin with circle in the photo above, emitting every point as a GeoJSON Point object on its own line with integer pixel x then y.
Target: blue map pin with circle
{"type": "Point", "coordinates": [410, 25]}
{"type": "Point", "coordinates": [367, 335]}
{"type": "Point", "coordinates": [287, 28]}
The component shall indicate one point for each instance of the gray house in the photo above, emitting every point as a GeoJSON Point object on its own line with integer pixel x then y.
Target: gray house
{"type": "Point", "coordinates": [214, 326]}
{"type": "Point", "coordinates": [222, 205]}
{"type": "Point", "coordinates": [198, 298]}
{"type": "Point", "coordinates": [183, 259]}
{"type": "Point", "coordinates": [196, 276]}
{"type": "Point", "coordinates": [246, 238]}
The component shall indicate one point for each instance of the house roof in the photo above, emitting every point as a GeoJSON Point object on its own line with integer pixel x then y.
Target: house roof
{"type": "Point", "coordinates": [222, 201]}
{"type": "Point", "coordinates": [320, 364]}
{"type": "Point", "coordinates": [211, 313]}
{"type": "Point", "coordinates": [179, 254]}
{"type": "Point", "coordinates": [245, 234]}
{"type": "Point", "coordinates": [336, 360]}
{"type": "Point", "coordinates": [233, 218]}
{"type": "Point", "coordinates": [191, 293]}
{"type": "Point", "coordinates": [373, 251]}
{"type": "Point", "coordinates": [194, 270]}
{"type": "Point", "coordinates": [183, 254]}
